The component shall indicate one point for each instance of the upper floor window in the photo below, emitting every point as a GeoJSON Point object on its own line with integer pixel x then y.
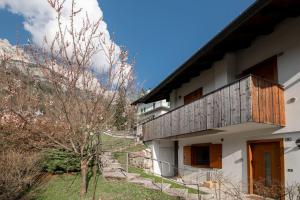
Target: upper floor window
{"type": "Point", "coordinates": [266, 69]}
{"type": "Point", "coordinates": [193, 96]}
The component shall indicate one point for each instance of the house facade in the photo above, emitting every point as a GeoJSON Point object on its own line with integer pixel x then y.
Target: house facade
{"type": "Point", "coordinates": [235, 104]}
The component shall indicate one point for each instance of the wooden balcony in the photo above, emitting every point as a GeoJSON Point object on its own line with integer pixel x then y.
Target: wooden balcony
{"type": "Point", "coordinates": [250, 99]}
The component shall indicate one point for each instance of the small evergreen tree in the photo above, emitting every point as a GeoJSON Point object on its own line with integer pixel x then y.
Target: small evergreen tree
{"type": "Point", "coordinates": [120, 111]}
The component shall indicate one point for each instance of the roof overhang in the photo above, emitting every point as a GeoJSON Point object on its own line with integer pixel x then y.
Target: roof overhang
{"type": "Point", "coordinates": [259, 19]}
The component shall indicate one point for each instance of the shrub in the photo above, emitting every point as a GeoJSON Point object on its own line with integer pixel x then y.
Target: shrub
{"type": "Point", "coordinates": [60, 161]}
{"type": "Point", "coordinates": [18, 172]}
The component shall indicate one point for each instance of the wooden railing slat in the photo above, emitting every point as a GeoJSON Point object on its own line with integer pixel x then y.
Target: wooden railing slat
{"type": "Point", "coordinates": [235, 103]}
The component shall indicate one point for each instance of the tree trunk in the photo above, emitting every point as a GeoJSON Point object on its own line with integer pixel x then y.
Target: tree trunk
{"type": "Point", "coordinates": [94, 179]}
{"type": "Point", "coordinates": [84, 173]}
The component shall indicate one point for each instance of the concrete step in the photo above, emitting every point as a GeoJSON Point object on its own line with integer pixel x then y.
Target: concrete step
{"type": "Point", "coordinates": [178, 192]}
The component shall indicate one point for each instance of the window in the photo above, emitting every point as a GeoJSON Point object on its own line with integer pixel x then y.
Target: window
{"type": "Point", "coordinates": [200, 155]}
{"type": "Point", "coordinates": [203, 155]}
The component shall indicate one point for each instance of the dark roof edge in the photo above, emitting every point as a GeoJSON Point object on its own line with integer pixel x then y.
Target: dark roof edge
{"type": "Point", "coordinates": [248, 13]}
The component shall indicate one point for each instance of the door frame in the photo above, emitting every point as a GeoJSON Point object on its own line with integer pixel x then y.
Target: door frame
{"type": "Point", "coordinates": [249, 157]}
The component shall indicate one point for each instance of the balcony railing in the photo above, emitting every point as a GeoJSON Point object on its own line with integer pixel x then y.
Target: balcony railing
{"type": "Point", "coordinates": [250, 99]}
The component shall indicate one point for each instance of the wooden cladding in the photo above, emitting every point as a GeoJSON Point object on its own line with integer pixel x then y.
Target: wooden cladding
{"type": "Point", "coordinates": [251, 99]}
{"type": "Point", "coordinates": [268, 102]}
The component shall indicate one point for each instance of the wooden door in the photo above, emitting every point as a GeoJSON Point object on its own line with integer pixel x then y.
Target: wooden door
{"type": "Point", "coordinates": [266, 169]}
{"type": "Point", "coordinates": [193, 96]}
{"type": "Point", "coordinates": [266, 69]}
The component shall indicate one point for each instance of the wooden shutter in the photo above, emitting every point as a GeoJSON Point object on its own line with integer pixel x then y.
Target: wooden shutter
{"type": "Point", "coordinates": [215, 156]}
{"type": "Point", "coordinates": [187, 155]}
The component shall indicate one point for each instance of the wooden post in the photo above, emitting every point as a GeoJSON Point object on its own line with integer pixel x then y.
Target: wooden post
{"type": "Point", "coordinates": [162, 181]}
{"type": "Point", "coordinates": [127, 162]}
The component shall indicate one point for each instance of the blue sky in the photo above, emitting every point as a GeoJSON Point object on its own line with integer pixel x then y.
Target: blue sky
{"type": "Point", "coordinates": [160, 34]}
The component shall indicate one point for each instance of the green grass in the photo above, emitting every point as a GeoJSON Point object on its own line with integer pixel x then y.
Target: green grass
{"type": "Point", "coordinates": [111, 143]}
{"type": "Point", "coordinates": [66, 187]}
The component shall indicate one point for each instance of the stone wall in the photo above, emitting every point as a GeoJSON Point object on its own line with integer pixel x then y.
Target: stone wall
{"type": "Point", "coordinates": [141, 159]}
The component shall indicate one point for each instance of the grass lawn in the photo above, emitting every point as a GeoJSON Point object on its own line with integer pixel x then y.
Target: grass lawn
{"type": "Point", "coordinates": [66, 187]}
{"type": "Point", "coordinates": [110, 143]}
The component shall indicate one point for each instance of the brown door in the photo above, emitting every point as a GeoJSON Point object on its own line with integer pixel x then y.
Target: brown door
{"type": "Point", "coordinates": [193, 96]}
{"type": "Point", "coordinates": [266, 169]}
{"type": "Point", "coordinates": [266, 69]}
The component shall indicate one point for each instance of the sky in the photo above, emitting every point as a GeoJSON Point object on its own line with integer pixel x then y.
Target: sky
{"type": "Point", "coordinates": [159, 34]}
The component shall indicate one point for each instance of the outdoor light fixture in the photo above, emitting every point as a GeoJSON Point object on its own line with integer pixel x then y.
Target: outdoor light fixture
{"type": "Point", "coordinates": [292, 100]}
{"type": "Point", "coordinates": [298, 142]}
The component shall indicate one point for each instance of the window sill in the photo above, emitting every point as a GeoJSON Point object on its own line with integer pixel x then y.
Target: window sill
{"type": "Point", "coordinates": [201, 166]}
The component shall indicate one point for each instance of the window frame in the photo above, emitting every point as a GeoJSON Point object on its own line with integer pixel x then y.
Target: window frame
{"type": "Point", "coordinates": [215, 156]}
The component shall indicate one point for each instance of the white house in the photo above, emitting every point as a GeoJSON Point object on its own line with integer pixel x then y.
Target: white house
{"type": "Point", "coordinates": [235, 104]}
{"type": "Point", "coordinates": [147, 112]}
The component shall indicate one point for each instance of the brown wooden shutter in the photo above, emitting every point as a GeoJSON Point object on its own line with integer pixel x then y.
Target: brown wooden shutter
{"type": "Point", "coordinates": [215, 156]}
{"type": "Point", "coordinates": [187, 155]}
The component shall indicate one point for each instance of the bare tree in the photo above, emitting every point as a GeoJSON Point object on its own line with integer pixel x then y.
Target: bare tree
{"type": "Point", "coordinates": [68, 102]}
{"type": "Point", "coordinates": [80, 104]}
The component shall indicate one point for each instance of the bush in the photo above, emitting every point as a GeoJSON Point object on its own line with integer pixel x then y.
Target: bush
{"type": "Point", "coordinates": [60, 161]}
{"type": "Point", "coordinates": [18, 172]}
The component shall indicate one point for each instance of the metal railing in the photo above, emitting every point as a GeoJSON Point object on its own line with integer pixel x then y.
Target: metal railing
{"type": "Point", "coordinates": [195, 181]}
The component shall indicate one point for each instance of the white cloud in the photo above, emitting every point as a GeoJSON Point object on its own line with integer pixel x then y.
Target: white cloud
{"type": "Point", "coordinates": [40, 20]}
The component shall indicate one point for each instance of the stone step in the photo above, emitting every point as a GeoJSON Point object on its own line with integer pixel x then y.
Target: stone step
{"type": "Point", "coordinates": [192, 196]}
{"type": "Point", "coordinates": [163, 186]}
{"type": "Point", "coordinates": [131, 176]}
{"type": "Point", "coordinates": [109, 169]}
{"type": "Point", "coordinates": [109, 160]}
{"type": "Point", "coordinates": [113, 166]}
{"type": "Point", "coordinates": [108, 153]}
{"type": "Point", "coordinates": [114, 175]}
{"type": "Point", "coordinates": [141, 181]}
{"type": "Point", "coordinates": [202, 197]}
{"type": "Point", "coordinates": [178, 192]}
{"type": "Point", "coordinates": [152, 186]}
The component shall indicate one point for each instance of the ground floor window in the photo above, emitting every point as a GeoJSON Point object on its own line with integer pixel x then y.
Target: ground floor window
{"type": "Point", "coordinates": [200, 155]}
{"type": "Point", "coordinates": [203, 155]}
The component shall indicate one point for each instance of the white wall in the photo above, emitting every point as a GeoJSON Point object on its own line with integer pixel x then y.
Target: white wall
{"type": "Point", "coordinates": [162, 151]}
{"type": "Point", "coordinates": [220, 74]}
{"type": "Point", "coordinates": [234, 154]}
